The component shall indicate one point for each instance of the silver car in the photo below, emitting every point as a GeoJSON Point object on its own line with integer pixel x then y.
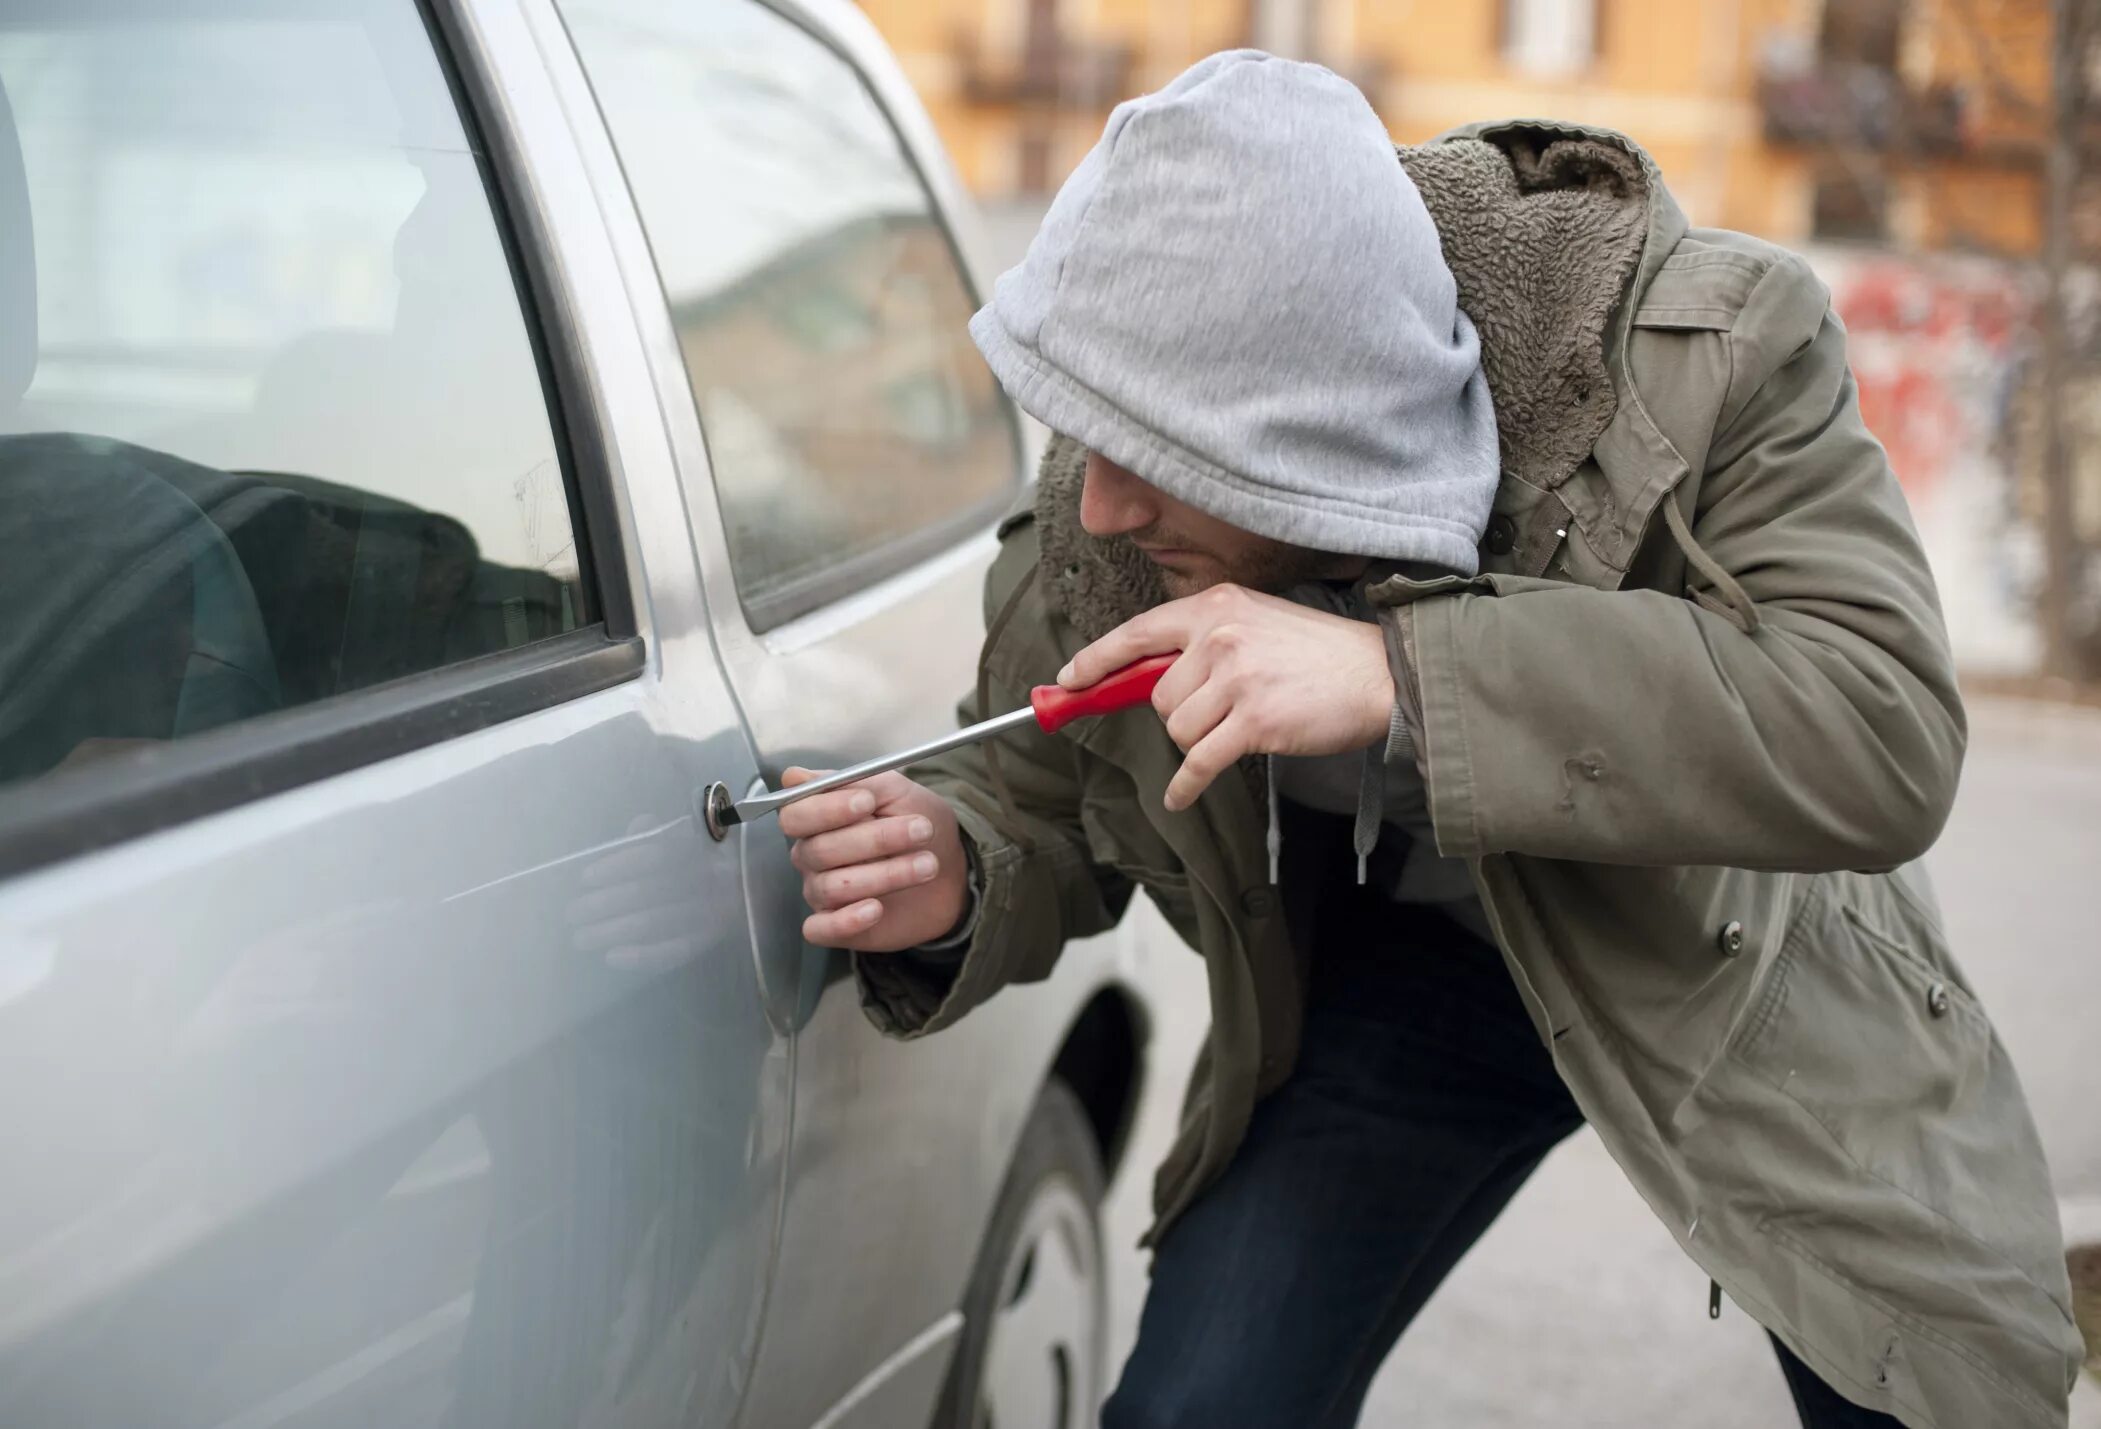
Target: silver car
{"type": "Point", "coordinates": [439, 441]}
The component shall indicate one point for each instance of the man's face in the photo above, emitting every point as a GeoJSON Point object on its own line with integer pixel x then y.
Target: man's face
{"type": "Point", "coordinates": [1192, 550]}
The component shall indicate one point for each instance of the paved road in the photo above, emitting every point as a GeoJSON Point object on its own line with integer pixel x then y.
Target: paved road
{"type": "Point", "coordinates": [1577, 1311]}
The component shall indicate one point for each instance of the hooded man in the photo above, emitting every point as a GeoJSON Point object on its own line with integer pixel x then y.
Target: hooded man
{"type": "Point", "coordinates": [1562, 696]}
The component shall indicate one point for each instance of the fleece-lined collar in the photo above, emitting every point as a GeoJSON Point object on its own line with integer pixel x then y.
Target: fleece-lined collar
{"type": "Point", "coordinates": [1546, 227]}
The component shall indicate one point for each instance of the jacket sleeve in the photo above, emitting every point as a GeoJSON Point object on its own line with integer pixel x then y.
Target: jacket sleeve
{"type": "Point", "coordinates": [1038, 885]}
{"type": "Point", "coordinates": [1637, 727]}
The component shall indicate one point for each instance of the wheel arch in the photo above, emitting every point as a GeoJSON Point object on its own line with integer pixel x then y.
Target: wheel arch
{"type": "Point", "coordinates": [1102, 1059]}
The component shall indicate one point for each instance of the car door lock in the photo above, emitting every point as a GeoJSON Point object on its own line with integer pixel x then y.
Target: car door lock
{"type": "Point", "coordinates": [717, 810]}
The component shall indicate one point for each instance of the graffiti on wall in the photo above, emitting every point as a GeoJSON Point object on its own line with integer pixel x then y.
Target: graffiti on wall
{"type": "Point", "coordinates": [1941, 348]}
{"type": "Point", "coordinates": [1935, 346]}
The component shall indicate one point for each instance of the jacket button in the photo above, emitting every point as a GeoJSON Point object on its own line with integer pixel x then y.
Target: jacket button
{"type": "Point", "coordinates": [1731, 939]}
{"type": "Point", "coordinates": [1502, 536]}
{"type": "Point", "coordinates": [1937, 999]}
{"type": "Point", "coordinates": [1258, 902]}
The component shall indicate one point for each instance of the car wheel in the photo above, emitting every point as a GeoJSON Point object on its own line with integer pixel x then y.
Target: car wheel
{"type": "Point", "coordinates": [1035, 1316]}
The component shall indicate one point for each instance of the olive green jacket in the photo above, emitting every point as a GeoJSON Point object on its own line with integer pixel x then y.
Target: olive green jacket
{"type": "Point", "coordinates": [1688, 727]}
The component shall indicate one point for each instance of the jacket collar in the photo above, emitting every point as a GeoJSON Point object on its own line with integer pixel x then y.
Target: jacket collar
{"type": "Point", "coordinates": [1549, 228]}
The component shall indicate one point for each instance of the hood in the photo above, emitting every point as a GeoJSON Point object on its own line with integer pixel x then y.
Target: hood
{"type": "Point", "coordinates": [1544, 228]}
{"type": "Point", "coordinates": [1239, 296]}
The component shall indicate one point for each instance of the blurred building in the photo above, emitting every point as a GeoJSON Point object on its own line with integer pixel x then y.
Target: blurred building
{"type": "Point", "coordinates": [1902, 144]}
{"type": "Point", "coordinates": [1917, 123]}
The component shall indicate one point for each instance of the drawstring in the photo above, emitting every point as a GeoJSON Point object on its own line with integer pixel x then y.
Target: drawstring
{"type": "Point", "coordinates": [1371, 806]}
{"type": "Point", "coordinates": [1744, 612]}
{"type": "Point", "coordinates": [1371, 812]}
{"type": "Point", "coordinates": [1275, 838]}
{"type": "Point", "coordinates": [991, 746]}
{"type": "Point", "coordinates": [1371, 779]}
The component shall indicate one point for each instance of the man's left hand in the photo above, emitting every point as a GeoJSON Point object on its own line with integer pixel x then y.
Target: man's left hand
{"type": "Point", "coordinates": [1256, 675]}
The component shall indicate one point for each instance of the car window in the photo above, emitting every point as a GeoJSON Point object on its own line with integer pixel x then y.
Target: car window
{"type": "Point", "coordinates": [850, 423]}
{"type": "Point", "coordinates": [271, 424]}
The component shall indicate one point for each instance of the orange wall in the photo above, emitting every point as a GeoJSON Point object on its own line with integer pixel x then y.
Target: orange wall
{"type": "Point", "coordinates": [1680, 76]}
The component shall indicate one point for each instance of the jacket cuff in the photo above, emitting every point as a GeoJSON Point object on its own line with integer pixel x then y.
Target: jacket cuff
{"type": "Point", "coordinates": [948, 949]}
{"type": "Point", "coordinates": [1428, 631]}
{"type": "Point", "coordinates": [1404, 741]}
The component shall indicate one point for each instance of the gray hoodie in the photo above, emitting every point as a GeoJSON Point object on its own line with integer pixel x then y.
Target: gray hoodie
{"type": "Point", "coordinates": [1239, 296]}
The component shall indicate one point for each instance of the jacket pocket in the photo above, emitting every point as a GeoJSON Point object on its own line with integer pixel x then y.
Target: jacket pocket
{"type": "Point", "coordinates": [1864, 1024]}
{"type": "Point", "coordinates": [1119, 836]}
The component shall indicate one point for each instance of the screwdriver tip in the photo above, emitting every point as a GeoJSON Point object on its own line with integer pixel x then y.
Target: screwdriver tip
{"type": "Point", "coordinates": [719, 811]}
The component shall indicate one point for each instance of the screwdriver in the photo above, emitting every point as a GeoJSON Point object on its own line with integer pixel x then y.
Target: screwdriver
{"type": "Point", "coordinates": [1050, 709]}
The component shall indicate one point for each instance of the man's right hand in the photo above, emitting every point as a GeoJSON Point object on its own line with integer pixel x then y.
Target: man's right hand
{"type": "Point", "coordinates": [882, 863]}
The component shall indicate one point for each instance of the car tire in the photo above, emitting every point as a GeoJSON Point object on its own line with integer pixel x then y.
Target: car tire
{"type": "Point", "coordinates": [1035, 1314]}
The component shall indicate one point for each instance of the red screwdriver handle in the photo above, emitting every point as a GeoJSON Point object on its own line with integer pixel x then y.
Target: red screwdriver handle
{"type": "Point", "coordinates": [1057, 706]}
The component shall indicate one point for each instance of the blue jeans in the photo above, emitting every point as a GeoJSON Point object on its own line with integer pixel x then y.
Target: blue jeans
{"type": "Point", "coordinates": [1421, 1102]}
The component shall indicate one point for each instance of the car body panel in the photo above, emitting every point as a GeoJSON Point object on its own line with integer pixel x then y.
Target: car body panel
{"type": "Point", "coordinates": [863, 1297]}
{"type": "Point", "coordinates": [407, 1149]}
{"type": "Point", "coordinates": [365, 1103]}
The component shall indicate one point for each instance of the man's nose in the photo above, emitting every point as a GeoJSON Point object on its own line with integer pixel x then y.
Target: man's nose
{"type": "Point", "coordinates": [1113, 501]}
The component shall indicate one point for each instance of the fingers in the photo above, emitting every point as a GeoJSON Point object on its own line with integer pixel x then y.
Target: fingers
{"type": "Point", "coordinates": [836, 808]}
{"type": "Point", "coordinates": [862, 842]}
{"type": "Point", "coordinates": [842, 887]}
{"type": "Point", "coordinates": [839, 927]}
{"type": "Point", "coordinates": [1179, 682]}
{"type": "Point", "coordinates": [1198, 715]}
{"type": "Point", "coordinates": [1212, 756]}
{"type": "Point", "coordinates": [1158, 631]}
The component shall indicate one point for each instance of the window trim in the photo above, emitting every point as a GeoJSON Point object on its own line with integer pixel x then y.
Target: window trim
{"type": "Point", "coordinates": [579, 439]}
{"type": "Point", "coordinates": [923, 543]}
{"type": "Point", "coordinates": [59, 816]}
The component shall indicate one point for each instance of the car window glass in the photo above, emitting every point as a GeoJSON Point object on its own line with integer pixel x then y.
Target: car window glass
{"type": "Point", "coordinates": [850, 423]}
{"type": "Point", "coordinates": [271, 425]}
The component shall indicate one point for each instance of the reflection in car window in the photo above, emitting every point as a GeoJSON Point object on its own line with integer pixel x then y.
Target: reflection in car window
{"type": "Point", "coordinates": [850, 423]}
{"type": "Point", "coordinates": [271, 426]}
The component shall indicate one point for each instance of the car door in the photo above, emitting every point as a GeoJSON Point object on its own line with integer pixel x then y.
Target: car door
{"type": "Point", "coordinates": [845, 454]}
{"type": "Point", "coordinates": [382, 1038]}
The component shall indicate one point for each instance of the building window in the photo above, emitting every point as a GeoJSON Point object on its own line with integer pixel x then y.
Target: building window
{"type": "Point", "coordinates": [1283, 27]}
{"type": "Point", "coordinates": [1546, 38]}
{"type": "Point", "coordinates": [1861, 32]}
{"type": "Point", "coordinates": [1850, 206]}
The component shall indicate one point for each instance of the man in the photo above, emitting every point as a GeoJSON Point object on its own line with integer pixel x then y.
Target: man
{"type": "Point", "coordinates": [1562, 693]}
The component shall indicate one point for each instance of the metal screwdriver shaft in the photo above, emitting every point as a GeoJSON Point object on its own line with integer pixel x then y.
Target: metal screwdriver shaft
{"type": "Point", "coordinates": [1050, 708]}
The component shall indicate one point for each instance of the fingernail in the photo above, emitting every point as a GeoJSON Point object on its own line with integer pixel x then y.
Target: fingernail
{"type": "Point", "coordinates": [921, 830]}
{"type": "Point", "coordinates": [924, 866]}
{"type": "Point", "coordinates": [1065, 675]}
{"type": "Point", "coordinates": [869, 912]}
{"type": "Point", "coordinates": [862, 803]}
